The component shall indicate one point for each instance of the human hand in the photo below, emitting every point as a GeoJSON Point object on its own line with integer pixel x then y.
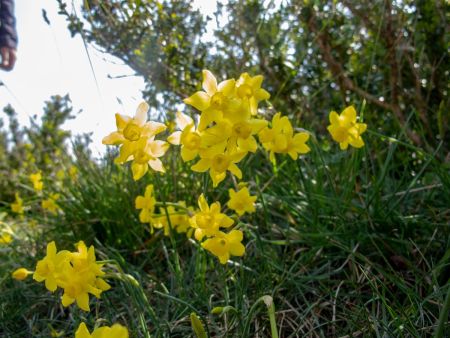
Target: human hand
{"type": "Point", "coordinates": [8, 56]}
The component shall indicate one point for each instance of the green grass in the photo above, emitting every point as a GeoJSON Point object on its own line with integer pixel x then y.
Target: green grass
{"type": "Point", "coordinates": [348, 244]}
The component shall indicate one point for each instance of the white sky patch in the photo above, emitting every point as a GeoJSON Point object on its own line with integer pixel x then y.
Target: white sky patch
{"type": "Point", "coordinates": [51, 62]}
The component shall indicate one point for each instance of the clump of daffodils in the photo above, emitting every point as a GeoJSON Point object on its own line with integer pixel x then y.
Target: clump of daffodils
{"type": "Point", "coordinates": [228, 125]}
{"type": "Point", "coordinates": [77, 273]}
{"type": "Point", "coordinates": [50, 204]}
{"type": "Point", "coordinates": [136, 137]}
{"type": "Point", "coordinates": [224, 134]}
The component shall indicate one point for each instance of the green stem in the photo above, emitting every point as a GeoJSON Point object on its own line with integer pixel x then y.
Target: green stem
{"type": "Point", "coordinates": [443, 316]}
{"type": "Point", "coordinates": [268, 300]}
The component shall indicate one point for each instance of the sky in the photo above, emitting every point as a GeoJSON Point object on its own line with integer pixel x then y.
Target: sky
{"type": "Point", "coordinates": [51, 62]}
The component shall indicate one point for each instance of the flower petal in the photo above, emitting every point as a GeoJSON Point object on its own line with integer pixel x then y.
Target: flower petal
{"type": "Point", "coordinates": [202, 165]}
{"type": "Point", "coordinates": [187, 154]}
{"type": "Point", "coordinates": [82, 331]}
{"type": "Point", "coordinates": [200, 100]}
{"type": "Point", "coordinates": [209, 82]}
{"type": "Point", "coordinates": [152, 128]}
{"type": "Point", "coordinates": [174, 138]}
{"type": "Point", "coordinates": [113, 139]}
{"type": "Point", "coordinates": [227, 87]}
{"type": "Point", "coordinates": [83, 301]}
{"type": "Point", "coordinates": [157, 165]}
{"type": "Point", "coordinates": [122, 121]}
{"type": "Point", "coordinates": [138, 170]}
{"type": "Point", "coordinates": [141, 113]}
{"type": "Point", "coordinates": [183, 120]}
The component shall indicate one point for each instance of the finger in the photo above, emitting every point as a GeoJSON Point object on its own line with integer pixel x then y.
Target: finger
{"type": "Point", "coordinates": [4, 53]}
{"type": "Point", "coordinates": [11, 59]}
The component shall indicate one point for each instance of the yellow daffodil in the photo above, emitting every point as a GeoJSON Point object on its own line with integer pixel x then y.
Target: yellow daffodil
{"type": "Point", "coordinates": [242, 134]}
{"type": "Point", "coordinates": [189, 139]}
{"type": "Point", "coordinates": [241, 201]}
{"type": "Point", "coordinates": [179, 220]}
{"type": "Point", "coordinates": [280, 138]}
{"type": "Point", "coordinates": [5, 238]}
{"type": "Point", "coordinates": [60, 174]}
{"type": "Point", "coordinates": [82, 277]}
{"type": "Point", "coordinates": [144, 153]}
{"type": "Point", "coordinates": [223, 245]}
{"type": "Point", "coordinates": [50, 204]}
{"type": "Point", "coordinates": [131, 129]}
{"type": "Point", "coordinates": [147, 204]}
{"type": "Point", "coordinates": [77, 273]}
{"type": "Point", "coordinates": [73, 172]}
{"type": "Point", "coordinates": [137, 139]}
{"type": "Point", "coordinates": [249, 89]}
{"type": "Point", "coordinates": [50, 267]}
{"type": "Point", "coordinates": [21, 274]}
{"type": "Point", "coordinates": [215, 99]}
{"type": "Point", "coordinates": [115, 331]}
{"type": "Point", "coordinates": [209, 219]}
{"type": "Point", "coordinates": [218, 162]}
{"type": "Point", "coordinates": [17, 206]}
{"type": "Point", "coordinates": [147, 154]}
{"type": "Point", "coordinates": [36, 179]}
{"type": "Point", "coordinates": [5, 233]}
{"type": "Point", "coordinates": [345, 130]}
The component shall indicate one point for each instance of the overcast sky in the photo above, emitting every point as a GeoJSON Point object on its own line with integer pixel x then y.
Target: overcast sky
{"type": "Point", "coordinates": [50, 62]}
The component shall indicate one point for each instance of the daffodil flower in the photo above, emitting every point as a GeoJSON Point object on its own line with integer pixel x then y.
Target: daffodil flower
{"type": "Point", "coordinates": [50, 204]}
{"type": "Point", "coordinates": [189, 139]}
{"type": "Point", "coordinates": [82, 277]}
{"type": "Point", "coordinates": [249, 89]}
{"type": "Point", "coordinates": [215, 99]}
{"type": "Point", "coordinates": [241, 201]}
{"type": "Point", "coordinates": [49, 268]}
{"type": "Point", "coordinates": [36, 179]}
{"type": "Point", "coordinates": [144, 153]}
{"type": "Point", "coordinates": [218, 162]}
{"type": "Point", "coordinates": [131, 129]}
{"type": "Point", "coordinates": [223, 245]}
{"type": "Point", "coordinates": [345, 130]}
{"type": "Point", "coordinates": [179, 220]}
{"type": "Point", "coordinates": [147, 204]}
{"type": "Point", "coordinates": [17, 206]}
{"type": "Point", "coordinates": [280, 138]}
{"type": "Point", "coordinates": [209, 219]}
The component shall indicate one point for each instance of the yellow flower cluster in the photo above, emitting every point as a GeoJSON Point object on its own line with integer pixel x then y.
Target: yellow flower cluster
{"type": "Point", "coordinates": [228, 125]}
{"type": "Point", "coordinates": [227, 130]}
{"type": "Point", "coordinates": [207, 222]}
{"type": "Point", "coordinates": [5, 233]}
{"type": "Point", "coordinates": [115, 331]}
{"type": "Point", "coordinates": [77, 273]}
{"type": "Point", "coordinates": [17, 206]}
{"type": "Point", "coordinates": [136, 138]}
{"type": "Point", "coordinates": [50, 204]}
{"type": "Point", "coordinates": [36, 179]}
